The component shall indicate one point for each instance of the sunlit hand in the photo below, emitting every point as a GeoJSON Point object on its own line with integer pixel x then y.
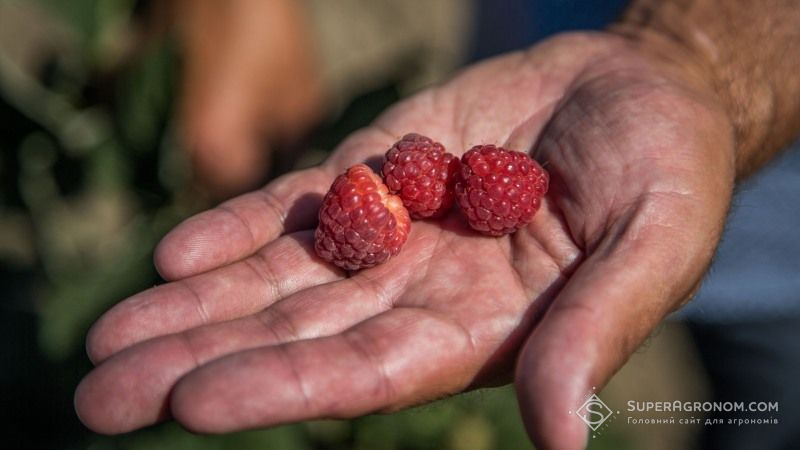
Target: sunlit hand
{"type": "Point", "coordinates": [255, 330]}
{"type": "Point", "coordinates": [250, 79]}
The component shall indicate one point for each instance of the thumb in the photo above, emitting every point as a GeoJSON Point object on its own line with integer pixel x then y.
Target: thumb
{"type": "Point", "coordinates": [636, 275]}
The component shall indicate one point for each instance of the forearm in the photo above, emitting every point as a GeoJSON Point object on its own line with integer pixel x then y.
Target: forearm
{"type": "Point", "coordinates": [750, 54]}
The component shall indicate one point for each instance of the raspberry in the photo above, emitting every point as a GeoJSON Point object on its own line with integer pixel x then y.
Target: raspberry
{"type": "Point", "coordinates": [422, 173]}
{"type": "Point", "coordinates": [360, 223]}
{"type": "Point", "coordinates": [499, 190]}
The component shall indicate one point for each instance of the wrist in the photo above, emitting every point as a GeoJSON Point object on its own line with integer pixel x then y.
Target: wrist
{"type": "Point", "coordinates": [677, 62]}
{"type": "Point", "coordinates": [755, 85]}
{"type": "Point", "coordinates": [701, 73]}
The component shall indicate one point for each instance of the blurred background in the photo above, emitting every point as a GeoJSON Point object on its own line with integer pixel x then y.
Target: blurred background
{"type": "Point", "coordinates": [120, 118]}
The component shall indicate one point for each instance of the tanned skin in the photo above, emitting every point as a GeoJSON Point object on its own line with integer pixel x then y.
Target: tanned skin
{"type": "Point", "coordinates": [750, 58]}
{"type": "Point", "coordinates": [250, 81]}
{"type": "Point", "coordinates": [644, 130]}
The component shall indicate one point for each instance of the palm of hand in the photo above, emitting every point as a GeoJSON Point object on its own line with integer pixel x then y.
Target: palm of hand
{"type": "Point", "coordinates": [280, 336]}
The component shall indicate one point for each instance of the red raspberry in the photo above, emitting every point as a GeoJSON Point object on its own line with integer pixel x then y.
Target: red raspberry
{"type": "Point", "coordinates": [499, 190]}
{"type": "Point", "coordinates": [360, 223]}
{"type": "Point", "coordinates": [422, 173]}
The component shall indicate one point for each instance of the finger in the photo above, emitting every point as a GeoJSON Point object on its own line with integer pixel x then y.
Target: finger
{"type": "Point", "coordinates": [285, 266]}
{"type": "Point", "coordinates": [220, 128]}
{"type": "Point", "coordinates": [399, 358]}
{"type": "Point", "coordinates": [227, 162]}
{"type": "Point", "coordinates": [131, 389]}
{"type": "Point", "coordinates": [239, 227]}
{"type": "Point", "coordinates": [616, 297]}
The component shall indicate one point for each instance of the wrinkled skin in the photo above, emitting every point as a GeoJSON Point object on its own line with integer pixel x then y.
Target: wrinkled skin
{"type": "Point", "coordinates": [254, 330]}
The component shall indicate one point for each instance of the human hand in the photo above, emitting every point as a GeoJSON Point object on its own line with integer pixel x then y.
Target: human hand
{"type": "Point", "coordinates": [254, 330]}
{"type": "Point", "coordinates": [249, 80]}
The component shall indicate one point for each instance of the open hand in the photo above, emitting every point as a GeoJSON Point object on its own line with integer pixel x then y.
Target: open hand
{"type": "Point", "coordinates": [255, 330]}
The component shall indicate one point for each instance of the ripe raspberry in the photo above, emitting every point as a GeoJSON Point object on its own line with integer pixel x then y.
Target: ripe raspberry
{"type": "Point", "coordinates": [499, 190]}
{"type": "Point", "coordinates": [422, 173]}
{"type": "Point", "coordinates": [360, 223]}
